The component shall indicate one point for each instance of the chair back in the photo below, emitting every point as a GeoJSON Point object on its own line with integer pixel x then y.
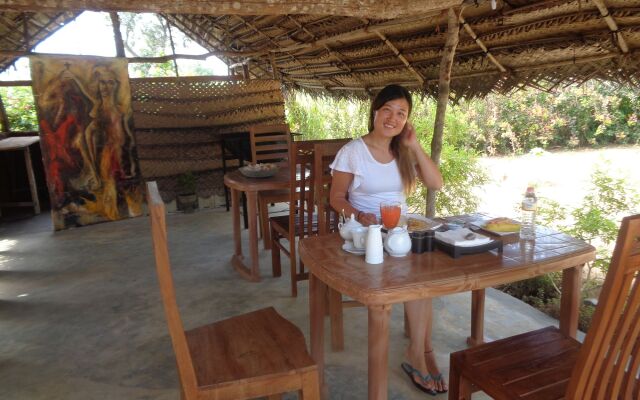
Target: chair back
{"type": "Point", "coordinates": [608, 364]}
{"type": "Point", "coordinates": [324, 154]}
{"type": "Point", "coordinates": [186, 370]}
{"type": "Point", "coordinates": [301, 189]}
{"type": "Point", "coordinates": [270, 143]}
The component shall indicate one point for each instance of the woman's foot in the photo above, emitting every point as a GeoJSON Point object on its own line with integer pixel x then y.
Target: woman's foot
{"type": "Point", "coordinates": [439, 384]}
{"type": "Point", "coordinates": [418, 380]}
{"type": "Point", "coordinates": [418, 372]}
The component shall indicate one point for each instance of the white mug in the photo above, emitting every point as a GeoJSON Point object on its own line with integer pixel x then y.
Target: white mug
{"type": "Point", "coordinates": [359, 235]}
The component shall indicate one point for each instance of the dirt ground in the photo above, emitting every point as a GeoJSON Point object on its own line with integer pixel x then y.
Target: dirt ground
{"type": "Point", "coordinates": [562, 176]}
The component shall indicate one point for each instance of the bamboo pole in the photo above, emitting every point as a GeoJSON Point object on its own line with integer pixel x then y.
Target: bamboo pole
{"type": "Point", "coordinates": [612, 25]}
{"type": "Point", "coordinates": [479, 42]}
{"type": "Point", "coordinates": [173, 47]}
{"type": "Point", "coordinates": [117, 35]}
{"type": "Point", "coordinates": [444, 87]}
{"type": "Point", "coordinates": [402, 58]}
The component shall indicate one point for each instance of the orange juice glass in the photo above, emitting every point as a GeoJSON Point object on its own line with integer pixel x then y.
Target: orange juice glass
{"type": "Point", "coordinates": [390, 213]}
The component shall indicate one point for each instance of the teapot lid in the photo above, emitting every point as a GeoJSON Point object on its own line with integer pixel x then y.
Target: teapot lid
{"type": "Point", "coordinates": [352, 221]}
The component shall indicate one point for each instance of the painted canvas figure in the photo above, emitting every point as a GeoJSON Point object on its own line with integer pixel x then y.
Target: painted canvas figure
{"type": "Point", "coordinates": [84, 111]}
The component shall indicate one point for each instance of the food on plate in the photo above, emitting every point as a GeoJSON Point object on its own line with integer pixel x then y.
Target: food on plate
{"type": "Point", "coordinates": [415, 224]}
{"type": "Point", "coordinates": [502, 224]}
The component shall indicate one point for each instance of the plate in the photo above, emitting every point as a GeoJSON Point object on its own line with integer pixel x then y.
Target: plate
{"type": "Point", "coordinates": [417, 222]}
{"type": "Point", "coordinates": [265, 170]}
{"type": "Point", "coordinates": [348, 247]}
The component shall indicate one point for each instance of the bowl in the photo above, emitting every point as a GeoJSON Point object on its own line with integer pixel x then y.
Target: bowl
{"type": "Point", "coordinates": [259, 170]}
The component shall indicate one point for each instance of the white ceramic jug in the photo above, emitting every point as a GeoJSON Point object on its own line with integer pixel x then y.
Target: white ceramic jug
{"type": "Point", "coordinates": [346, 227]}
{"type": "Point", "coordinates": [374, 251]}
{"type": "Point", "coordinates": [398, 242]}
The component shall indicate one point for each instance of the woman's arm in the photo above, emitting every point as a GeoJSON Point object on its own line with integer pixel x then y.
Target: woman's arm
{"type": "Point", "coordinates": [428, 171]}
{"type": "Point", "coordinates": [338, 198]}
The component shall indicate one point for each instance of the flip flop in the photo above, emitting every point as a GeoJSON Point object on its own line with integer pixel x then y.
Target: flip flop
{"type": "Point", "coordinates": [412, 372]}
{"type": "Point", "coordinates": [437, 378]}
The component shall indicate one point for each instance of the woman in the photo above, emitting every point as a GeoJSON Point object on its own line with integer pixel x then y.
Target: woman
{"type": "Point", "coordinates": [383, 165]}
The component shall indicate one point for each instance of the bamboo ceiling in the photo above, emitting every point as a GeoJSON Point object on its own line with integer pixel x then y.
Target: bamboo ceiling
{"type": "Point", "coordinates": [541, 44]}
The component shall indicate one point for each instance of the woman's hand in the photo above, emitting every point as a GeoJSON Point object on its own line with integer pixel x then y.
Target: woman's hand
{"type": "Point", "coordinates": [367, 219]}
{"type": "Point", "coordinates": [409, 137]}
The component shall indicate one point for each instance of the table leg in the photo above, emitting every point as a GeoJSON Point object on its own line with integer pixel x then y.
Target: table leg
{"type": "Point", "coordinates": [237, 260]}
{"type": "Point", "coordinates": [570, 300]}
{"type": "Point", "coordinates": [477, 318]}
{"type": "Point", "coordinates": [252, 201]}
{"type": "Point", "coordinates": [32, 181]}
{"type": "Point", "coordinates": [378, 351]}
{"type": "Point", "coordinates": [335, 316]}
{"type": "Point", "coordinates": [317, 294]}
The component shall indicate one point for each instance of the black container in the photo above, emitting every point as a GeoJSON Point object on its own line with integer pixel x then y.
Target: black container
{"type": "Point", "coordinates": [422, 241]}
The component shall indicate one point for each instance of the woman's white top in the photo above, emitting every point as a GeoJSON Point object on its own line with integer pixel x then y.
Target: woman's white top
{"type": "Point", "coordinates": [373, 181]}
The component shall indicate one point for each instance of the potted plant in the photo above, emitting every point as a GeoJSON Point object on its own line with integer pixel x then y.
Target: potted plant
{"type": "Point", "coordinates": [187, 200]}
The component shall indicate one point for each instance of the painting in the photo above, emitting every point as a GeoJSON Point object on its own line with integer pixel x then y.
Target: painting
{"type": "Point", "coordinates": [86, 132]}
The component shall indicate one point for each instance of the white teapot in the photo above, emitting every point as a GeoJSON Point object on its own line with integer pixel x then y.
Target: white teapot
{"type": "Point", "coordinates": [398, 242]}
{"type": "Point", "coordinates": [347, 226]}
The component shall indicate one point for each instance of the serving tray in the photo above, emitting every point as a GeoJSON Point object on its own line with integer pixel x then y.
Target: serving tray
{"type": "Point", "coordinates": [457, 251]}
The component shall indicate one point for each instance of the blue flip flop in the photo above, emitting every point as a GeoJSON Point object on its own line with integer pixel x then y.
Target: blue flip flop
{"type": "Point", "coordinates": [437, 378]}
{"type": "Point", "coordinates": [414, 373]}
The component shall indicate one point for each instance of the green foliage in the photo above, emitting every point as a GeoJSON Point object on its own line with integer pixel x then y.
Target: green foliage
{"type": "Point", "coordinates": [326, 117]}
{"type": "Point", "coordinates": [594, 114]}
{"type": "Point", "coordinates": [20, 107]}
{"type": "Point", "coordinates": [147, 35]}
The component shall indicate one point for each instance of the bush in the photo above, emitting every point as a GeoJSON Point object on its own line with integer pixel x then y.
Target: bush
{"type": "Point", "coordinates": [20, 107]}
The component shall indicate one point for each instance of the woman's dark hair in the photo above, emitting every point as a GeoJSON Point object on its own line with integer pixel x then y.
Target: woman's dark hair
{"type": "Point", "coordinates": [404, 157]}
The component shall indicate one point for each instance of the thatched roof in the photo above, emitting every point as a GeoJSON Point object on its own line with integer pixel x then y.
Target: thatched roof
{"type": "Point", "coordinates": [356, 49]}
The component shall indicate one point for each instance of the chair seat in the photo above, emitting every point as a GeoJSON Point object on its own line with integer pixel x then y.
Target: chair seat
{"type": "Point", "coordinates": [247, 347]}
{"type": "Point", "coordinates": [281, 224]}
{"type": "Point", "coordinates": [537, 363]}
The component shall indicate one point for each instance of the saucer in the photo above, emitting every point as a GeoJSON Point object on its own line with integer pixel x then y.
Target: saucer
{"type": "Point", "coordinates": [348, 247]}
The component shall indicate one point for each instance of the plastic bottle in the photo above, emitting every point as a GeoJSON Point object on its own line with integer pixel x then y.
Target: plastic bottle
{"type": "Point", "coordinates": [528, 223]}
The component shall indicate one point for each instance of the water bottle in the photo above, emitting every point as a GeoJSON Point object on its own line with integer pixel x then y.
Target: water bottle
{"type": "Point", "coordinates": [528, 226]}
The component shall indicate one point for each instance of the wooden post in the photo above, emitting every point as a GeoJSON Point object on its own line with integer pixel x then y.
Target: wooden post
{"type": "Point", "coordinates": [117, 35]}
{"type": "Point", "coordinates": [173, 48]}
{"type": "Point", "coordinates": [4, 119]}
{"type": "Point", "coordinates": [444, 85]}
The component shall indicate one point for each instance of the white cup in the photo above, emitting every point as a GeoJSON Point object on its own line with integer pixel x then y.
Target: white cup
{"type": "Point", "coordinates": [359, 237]}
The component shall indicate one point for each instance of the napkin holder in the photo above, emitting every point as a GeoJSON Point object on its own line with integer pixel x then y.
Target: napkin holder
{"type": "Point", "coordinates": [457, 251]}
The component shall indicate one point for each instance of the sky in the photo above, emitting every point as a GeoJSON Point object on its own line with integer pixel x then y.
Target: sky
{"type": "Point", "coordinates": [91, 34]}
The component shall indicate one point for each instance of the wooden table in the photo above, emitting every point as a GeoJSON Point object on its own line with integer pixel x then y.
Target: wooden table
{"type": "Point", "coordinates": [433, 274]}
{"type": "Point", "coordinates": [250, 186]}
{"type": "Point", "coordinates": [22, 143]}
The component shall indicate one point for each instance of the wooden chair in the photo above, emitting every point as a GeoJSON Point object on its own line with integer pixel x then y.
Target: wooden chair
{"type": "Point", "coordinates": [247, 356]}
{"type": "Point", "coordinates": [324, 154]}
{"type": "Point", "coordinates": [547, 364]}
{"type": "Point", "coordinates": [300, 221]}
{"type": "Point", "coordinates": [269, 144]}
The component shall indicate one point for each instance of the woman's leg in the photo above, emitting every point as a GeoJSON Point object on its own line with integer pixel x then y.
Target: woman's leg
{"type": "Point", "coordinates": [416, 312]}
{"type": "Point", "coordinates": [429, 356]}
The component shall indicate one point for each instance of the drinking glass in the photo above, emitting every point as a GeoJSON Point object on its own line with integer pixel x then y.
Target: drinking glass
{"type": "Point", "coordinates": [390, 213]}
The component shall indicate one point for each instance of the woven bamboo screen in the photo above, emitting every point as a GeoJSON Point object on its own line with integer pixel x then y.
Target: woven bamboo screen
{"type": "Point", "coordinates": [179, 123]}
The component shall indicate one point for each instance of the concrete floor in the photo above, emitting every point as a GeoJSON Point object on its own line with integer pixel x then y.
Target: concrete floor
{"type": "Point", "coordinates": [81, 317]}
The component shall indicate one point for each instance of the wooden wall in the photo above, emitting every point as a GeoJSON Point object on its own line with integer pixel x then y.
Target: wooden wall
{"type": "Point", "coordinates": [179, 122]}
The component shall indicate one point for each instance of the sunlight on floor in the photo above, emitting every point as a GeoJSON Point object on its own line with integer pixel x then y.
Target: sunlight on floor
{"type": "Point", "coordinates": [6, 245]}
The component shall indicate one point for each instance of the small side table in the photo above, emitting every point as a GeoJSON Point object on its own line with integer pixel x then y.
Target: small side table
{"type": "Point", "coordinates": [23, 143]}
